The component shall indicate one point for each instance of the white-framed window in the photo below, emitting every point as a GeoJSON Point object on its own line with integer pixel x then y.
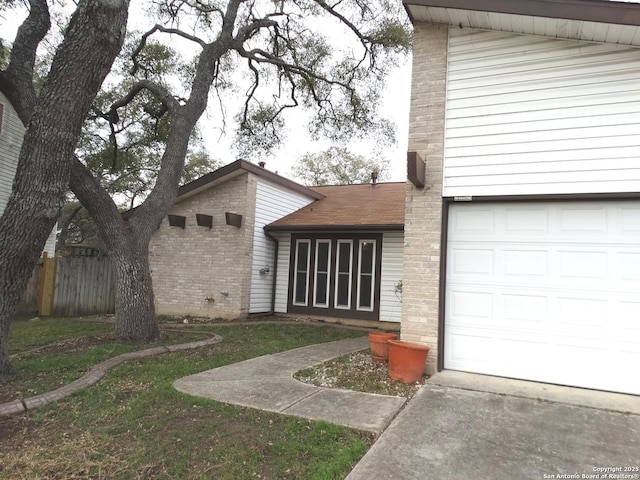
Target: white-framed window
{"type": "Point", "coordinates": [322, 274]}
{"type": "Point", "coordinates": [366, 274]}
{"type": "Point", "coordinates": [344, 261]}
{"type": "Point", "coordinates": [301, 277]}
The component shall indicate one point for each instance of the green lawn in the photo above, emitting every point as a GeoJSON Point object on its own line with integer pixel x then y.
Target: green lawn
{"type": "Point", "coordinates": [133, 424]}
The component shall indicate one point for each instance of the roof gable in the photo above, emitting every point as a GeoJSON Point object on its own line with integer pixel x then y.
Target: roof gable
{"type": "Point", "coordinates": [234, 169]}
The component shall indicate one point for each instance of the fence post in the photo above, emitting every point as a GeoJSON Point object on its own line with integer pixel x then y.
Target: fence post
{"type": "Point", "coordinates": [47, 285]}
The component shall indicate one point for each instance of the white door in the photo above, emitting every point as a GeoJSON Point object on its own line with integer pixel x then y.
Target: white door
{"type": "Point", "coordinates": [545, 291]}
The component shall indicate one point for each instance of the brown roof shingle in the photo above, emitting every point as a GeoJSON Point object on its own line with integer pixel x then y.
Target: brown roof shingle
{"type": "Point", "coordinates": [379, 206]}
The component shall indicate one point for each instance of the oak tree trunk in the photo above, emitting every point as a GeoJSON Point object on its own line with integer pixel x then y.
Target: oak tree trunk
{"type": "Point", "coordinates": [53, 122]}
{"type": "Point", "coordinates": [135, 309]}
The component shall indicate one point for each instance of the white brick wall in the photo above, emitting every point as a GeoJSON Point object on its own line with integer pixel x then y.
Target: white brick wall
{"type": "Point", "coordinates": [421, 274]}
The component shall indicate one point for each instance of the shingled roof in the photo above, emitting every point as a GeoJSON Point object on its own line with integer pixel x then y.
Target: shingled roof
{"type": "Point", "coordinates": [350, 207]}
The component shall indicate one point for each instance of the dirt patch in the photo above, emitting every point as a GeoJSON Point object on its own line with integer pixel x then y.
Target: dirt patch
{"type": "Point", "coordinates": [356, 371]}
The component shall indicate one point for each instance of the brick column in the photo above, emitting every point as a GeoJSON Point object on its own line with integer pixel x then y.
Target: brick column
{"type": "Point", "coordinates": [423, 216]}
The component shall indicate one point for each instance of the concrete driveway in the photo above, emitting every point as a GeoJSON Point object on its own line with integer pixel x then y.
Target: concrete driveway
{"type": "Point", "coordinates": [463, 426]}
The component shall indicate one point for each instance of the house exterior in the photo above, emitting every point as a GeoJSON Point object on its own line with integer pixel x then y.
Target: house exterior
{"type": "Point", "coordinates": [11, 133]}
{"type": "Point", "coordinates": [225, 249]}
{"type": "Point", "coordinates": [219, 263]}
{"type": "Point", "coordinates": [522, 249]}
{"type": "Point", "coordinates": [341, 256]}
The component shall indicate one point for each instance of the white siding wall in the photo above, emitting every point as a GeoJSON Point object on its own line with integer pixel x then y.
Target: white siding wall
{"type": "Point", "coordinates": [391, 274]}
{"type": "Point", "coordinates": [10, 142]}
{"type": "Point", "coordinates": [272, 202]}
{"type": "Point", "coordinates": [11, 133]}
{"type": "Point", "coordinates": [282, 281]}
{"type": "Point", "coordinates": [535, 115]}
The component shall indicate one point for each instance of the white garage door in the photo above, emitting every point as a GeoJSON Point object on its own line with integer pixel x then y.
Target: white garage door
{"type": "Point", "coordinates": [545, 291]}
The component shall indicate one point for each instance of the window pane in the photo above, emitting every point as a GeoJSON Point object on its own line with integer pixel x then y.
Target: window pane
{"type": "Point", "coordinates": [303, 254]}
{"type": "Point", "coordinates": [343, 276]}
{"type": "Point", "coordinates": [365, 291]}
{"type": "Point", "coordinates": [366, 258]}
{"type": "Point", "coordinates": [301, 289]}
{"type": "Point", "coordinates": [301, 280]}
{"type": "Point", "coordinates": [321, 288]}
{"type": "Point", "coordinates": [323, 256]}
{"type": "Point", "coordinates": [342, 290]}
{"type": "Point", "coordinates": [321, 296]}
{"type": "Point", "coordinates": [344, 253]}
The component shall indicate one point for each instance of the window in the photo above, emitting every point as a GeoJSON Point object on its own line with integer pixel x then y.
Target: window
{"type": "Point", "coordinates": [367, 253]}
{"type": "Point", "coordinates": [301, 284]}
{"type": "Point", "coordinates": [343, 275]}
{"type": "Point", "coordinates": [335, 275]}
{"type": "Point", "coordinates": [323, 270]}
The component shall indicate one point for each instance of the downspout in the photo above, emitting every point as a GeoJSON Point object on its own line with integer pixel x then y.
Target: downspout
{"type": "Point", "coordinates": [275, 268]}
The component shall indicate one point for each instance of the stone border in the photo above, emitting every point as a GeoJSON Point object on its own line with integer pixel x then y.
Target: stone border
{"type": "Point", "coordinates": [96, 374]}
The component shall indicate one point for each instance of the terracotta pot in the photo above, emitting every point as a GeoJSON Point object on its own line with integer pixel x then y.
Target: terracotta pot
{"type": "Point", "coordinates": [378, 342]}
{"type": "Point", "coordinates": [406, 360]}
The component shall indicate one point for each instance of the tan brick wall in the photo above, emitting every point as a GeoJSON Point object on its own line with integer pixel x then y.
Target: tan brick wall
{"type": "Point", "coordinates": [421, 275]}
{"type": "Point", "coordinates": [188, 266]}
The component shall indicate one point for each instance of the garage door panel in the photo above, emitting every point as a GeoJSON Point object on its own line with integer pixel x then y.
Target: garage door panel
{"type": "Point", "coordinates": [583, 266]}
{"type": "Point", "coordinates": [629, 222]}
{"type": "Point", "coordinates": [527, 222]}
{"type": "Point", "coordinates": [583, 220]}
{"type": "Point", "coordinates": [628, 266]}
{"type": "Point", "coordinates": [626, 316]}
{"type": "Point", "coordinates": [471, 307]}
{"type": "Point", "coordinates": [552, 296]}
{"type": "Point", "coordinates": [532, 309]}
{"type": "Point", "coordinates": [581, 312]}
{"type": "Point", "coordinates": [525, 262]}
{"type": "Point", "coordinates": [472, 262]}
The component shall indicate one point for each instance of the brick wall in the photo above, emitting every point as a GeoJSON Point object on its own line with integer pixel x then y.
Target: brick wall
{"type": "Point", "coordinates": [421, 274]}
{"type": "Point", "coordinates": [197, 271]}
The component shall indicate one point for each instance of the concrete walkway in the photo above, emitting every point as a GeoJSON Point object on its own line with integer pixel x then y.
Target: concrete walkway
{"type": "Point", "coordinates": [267, 383]}
{"type": "Point", "coordinates": [464, 426]}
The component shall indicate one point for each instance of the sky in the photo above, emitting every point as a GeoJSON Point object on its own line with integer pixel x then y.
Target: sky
{"type": "Point", "coordinates": [395, 107]}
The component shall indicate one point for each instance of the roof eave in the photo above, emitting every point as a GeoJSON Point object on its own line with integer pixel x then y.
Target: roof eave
{"type": "Point", "coordinates": [620, 13]}
{"type": "Point", "coordinates": [333, 228]}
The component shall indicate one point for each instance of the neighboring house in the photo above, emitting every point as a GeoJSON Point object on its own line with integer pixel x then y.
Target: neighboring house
{"type": "Point", "coordinates": [341, 256]}
{"type": "Point", "coordinates": [522, 251]}
{"type": "Point", "coordinates": [11, 134]}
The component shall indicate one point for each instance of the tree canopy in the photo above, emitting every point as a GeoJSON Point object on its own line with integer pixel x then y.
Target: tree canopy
{"type": "Point", "coordinates": [268, 57]}
{"type": "Point", "coordinates": [338, 166]}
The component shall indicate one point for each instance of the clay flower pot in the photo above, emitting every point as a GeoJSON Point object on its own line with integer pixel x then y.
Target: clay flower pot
{"type": "Point", "coordinates": [406, 360]}
{"type": "Point", "coordinates": [379, 346]}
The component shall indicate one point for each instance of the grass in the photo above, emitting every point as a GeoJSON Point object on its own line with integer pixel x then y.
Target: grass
{"type": "Point", "coordinates": [133, 424]}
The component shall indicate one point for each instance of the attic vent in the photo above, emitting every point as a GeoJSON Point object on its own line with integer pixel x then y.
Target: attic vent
{"type": "Point", "coordinates": [177, 221]}
{"type": "Point", "coordinates": [374, 178]}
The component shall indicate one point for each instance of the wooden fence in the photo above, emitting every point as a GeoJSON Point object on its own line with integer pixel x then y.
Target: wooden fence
{"type": "Point", "coordinates": [72, 285]}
